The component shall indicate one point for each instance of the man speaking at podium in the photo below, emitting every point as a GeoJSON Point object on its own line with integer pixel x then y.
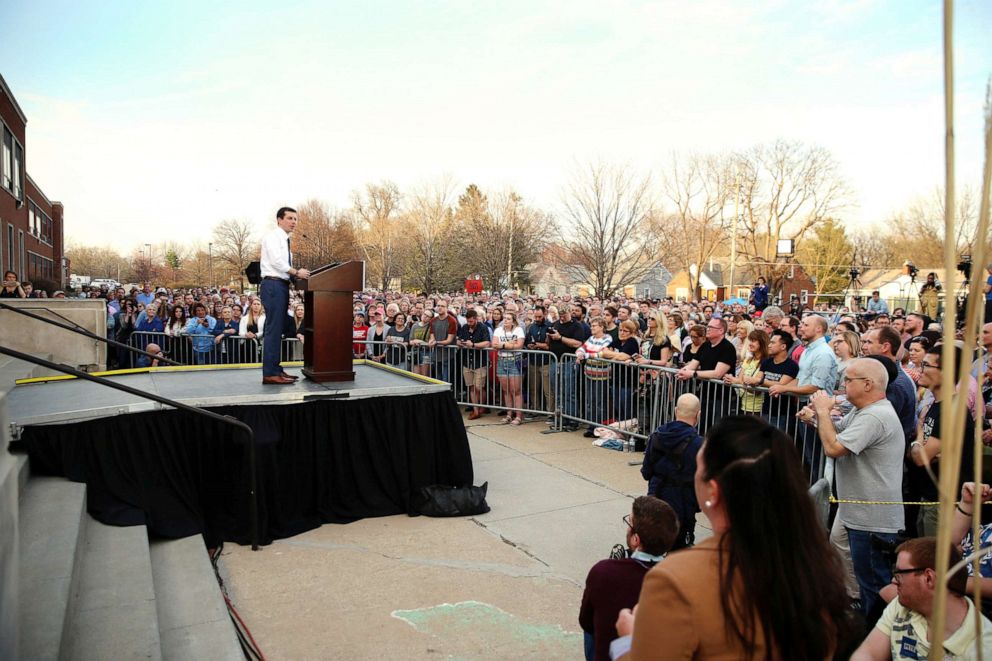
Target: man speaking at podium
{"type": "Point", "coordinates": [277, 273]}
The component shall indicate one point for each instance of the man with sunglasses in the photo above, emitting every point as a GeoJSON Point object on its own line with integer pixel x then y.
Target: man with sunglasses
{"type": "Point", "coordinates": [903, 631]}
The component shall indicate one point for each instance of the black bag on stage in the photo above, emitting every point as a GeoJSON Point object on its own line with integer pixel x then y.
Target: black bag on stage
{"type": "Point", "coordinates": [254, 273]}
{"type": "Point", "coordinates": [440, 500]}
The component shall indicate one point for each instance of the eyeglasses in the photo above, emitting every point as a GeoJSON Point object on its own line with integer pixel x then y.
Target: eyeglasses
{"type": "Point", "coordinates": [924, 364]}
{"type": "Point", "coordinates": [848, 379]}
{"type": "Point", "coordinates": [626, 520]}
{"type": "Point", "coordinates": [898, 573]}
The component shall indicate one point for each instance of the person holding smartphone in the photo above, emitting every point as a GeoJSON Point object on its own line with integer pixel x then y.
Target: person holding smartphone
{"type": "Point", "coordinates": [565, 336]}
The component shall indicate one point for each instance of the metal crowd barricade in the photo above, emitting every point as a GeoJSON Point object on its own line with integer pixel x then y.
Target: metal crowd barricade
{"type": "Point", "coordinates": [201, 350]}
{"type": "Point", "coordinates": [237, 350]}
{"type": "Point", "coordinates": [623, 397]}
{"type": "Point", "coordinates": [291, 350]}
{"type": "Point", "coordinates": [718, 399]}
{"type": "Point", "coordinates": [516, 383]}
{"type": "Point", "coordinates": [394, 354]}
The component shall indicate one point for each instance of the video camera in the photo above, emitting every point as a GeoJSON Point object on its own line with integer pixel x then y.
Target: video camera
{"type": "Point", "coordinates": [965, 266]}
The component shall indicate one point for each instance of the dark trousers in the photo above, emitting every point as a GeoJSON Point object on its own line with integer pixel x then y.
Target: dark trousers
{"type": "Point", "coordinates": [275, 300]}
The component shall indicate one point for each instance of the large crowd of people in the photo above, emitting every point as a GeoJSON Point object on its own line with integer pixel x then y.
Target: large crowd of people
{"type": "Point", "coordinates": [759, 393]}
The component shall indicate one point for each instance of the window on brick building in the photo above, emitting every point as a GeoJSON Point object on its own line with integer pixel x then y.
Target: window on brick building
{"type": "Point", "coordinates": [7, 165]}
{"type": "Point", "coordinates": [18, 171]}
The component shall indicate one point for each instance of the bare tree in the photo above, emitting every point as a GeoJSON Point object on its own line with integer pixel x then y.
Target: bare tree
{"type": "Point", "coordinates": [700, 191]}
{"type": "Point", "coordinates": [430, 229]}
{"type": "Point", "coordinates": [235, 246]}
{"type": "Point", "coordinates": [196, 266]}
{"type": "Point", "coordinates": [509, 232]}
{"type": "Point", "coordinates": [606, 212]}
{"type": "Point", "coordinates": [788, 188]}
{"type": "Point", "coordinates": [377, 229]}
{"type": "Point", "coordinates": [97, 261]}
{"type": "Point", "coordinates": [323, 235]}
{"type": "Point", "coordinates": [872, 250]}
{"type": "Point", "coordinates": [917, 232]}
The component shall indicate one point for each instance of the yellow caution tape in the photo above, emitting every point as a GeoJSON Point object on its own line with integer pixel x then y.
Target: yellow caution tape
{"type": "Point", "coordinates": [927, 503]}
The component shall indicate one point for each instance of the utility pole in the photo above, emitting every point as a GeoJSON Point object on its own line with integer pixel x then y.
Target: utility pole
{"type": "Point", "coordinates": [509, 259]}
{"type": "Point", "coordinates": [149, 253]}
{"type": "Point", "coordinates": [733, 235]}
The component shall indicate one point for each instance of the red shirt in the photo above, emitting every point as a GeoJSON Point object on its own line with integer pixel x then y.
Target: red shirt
{"type": "Point", "coordinates": [359, 334]}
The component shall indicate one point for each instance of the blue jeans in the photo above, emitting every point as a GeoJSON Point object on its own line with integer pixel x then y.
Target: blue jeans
{"type": "Point", "coordinates": [596, 400]}
{"type": "Point", "coordinates": [202, 358]}
{"type": "Point", "coordinates": [623, 402]}
{"type": "Point", "coordinates": [566, 386]}
{"type": "Point", "coordinates": [872, 571]}
{"type": "Point", "coordinates": [275, 299]}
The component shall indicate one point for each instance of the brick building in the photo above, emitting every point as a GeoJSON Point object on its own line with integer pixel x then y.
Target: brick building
{"type": "Point", "coordinates": [31, 224]}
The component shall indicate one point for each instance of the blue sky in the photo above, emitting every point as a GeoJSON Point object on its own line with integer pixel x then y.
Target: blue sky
{"type": "Point", "coordinates": [166, 117]}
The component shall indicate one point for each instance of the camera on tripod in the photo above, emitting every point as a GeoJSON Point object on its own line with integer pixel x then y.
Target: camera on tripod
{"type": "Point", "coordinates": [965, 266]}
{"type": "Point", "coordinates": [854, 273]}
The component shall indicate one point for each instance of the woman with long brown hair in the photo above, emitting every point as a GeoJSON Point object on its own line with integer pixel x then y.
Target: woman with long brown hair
{"type": "Point", "coordinates": [767, 585]}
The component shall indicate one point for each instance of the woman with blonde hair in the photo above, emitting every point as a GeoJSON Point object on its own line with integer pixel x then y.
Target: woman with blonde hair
{"type": "Point", "coordinates": [740, 339]}
{"type": "Point", "coordinates": [847, 346]}
{"type": "Point", "coordinates": [253, 321]}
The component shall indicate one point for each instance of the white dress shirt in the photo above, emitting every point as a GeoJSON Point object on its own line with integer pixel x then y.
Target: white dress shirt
{"type": "Point", "coordinates": [275, 254]}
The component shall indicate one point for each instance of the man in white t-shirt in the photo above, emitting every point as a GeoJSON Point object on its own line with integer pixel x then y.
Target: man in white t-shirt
{"type": "Point", "coordinates": [903, 631]}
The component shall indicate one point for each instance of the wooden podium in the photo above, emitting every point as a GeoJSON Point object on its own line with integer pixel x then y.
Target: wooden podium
{"type": "Point", "coordinates": [329, 303]}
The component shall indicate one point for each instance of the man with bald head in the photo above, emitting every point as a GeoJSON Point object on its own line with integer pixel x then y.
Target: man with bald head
{"type": "Point", "coordinates": [868, 446]}
{"type": "Point", "coordinates": [670, 465]}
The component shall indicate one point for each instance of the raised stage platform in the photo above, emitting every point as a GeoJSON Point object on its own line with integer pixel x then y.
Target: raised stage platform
{"type": "Point", "coordinates": [325, 453]}
{"type": "Point", "coordinates": [65, 399]}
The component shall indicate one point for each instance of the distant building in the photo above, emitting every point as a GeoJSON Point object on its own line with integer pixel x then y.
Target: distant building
{"type": "Point", "coordinates": [897, 289]}
{"type": "Point", "coordinates": [714, 285]}
{"type": "Point", "coordinates": [31, 225]}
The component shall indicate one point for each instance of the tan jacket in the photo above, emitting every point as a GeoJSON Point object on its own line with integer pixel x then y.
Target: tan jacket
{"type": "Point", "coordinates": [679, 614]}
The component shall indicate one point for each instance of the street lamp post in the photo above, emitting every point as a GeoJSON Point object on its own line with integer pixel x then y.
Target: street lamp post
{"type": "Point", "coordinates": [149, 253]}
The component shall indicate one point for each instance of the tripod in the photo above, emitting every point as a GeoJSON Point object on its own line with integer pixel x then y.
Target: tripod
{"type": "Point", "coordinates": [854, 284]}
{"type": "Point", "coordinates": [909, 289]}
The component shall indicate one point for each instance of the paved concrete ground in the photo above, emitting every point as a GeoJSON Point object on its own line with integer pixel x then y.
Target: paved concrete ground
{"type": "Point", "coordinates": [506, 584]}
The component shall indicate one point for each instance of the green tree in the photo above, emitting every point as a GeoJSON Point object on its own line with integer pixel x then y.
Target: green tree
{"type": "Point", "coordinates": [174, 262]}
{"type": "Point", "coordinates": [826, 256]}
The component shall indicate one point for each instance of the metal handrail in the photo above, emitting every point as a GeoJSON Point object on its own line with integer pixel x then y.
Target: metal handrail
{"type": "Point", "coordinates": [76, 328]}
{"type": "Point", "coordinates": [227, 420]}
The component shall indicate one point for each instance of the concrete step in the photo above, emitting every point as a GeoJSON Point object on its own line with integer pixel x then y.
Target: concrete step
{"type": "Point", "coordinates": [51, 516]}
{"type": "Point", "coordinates": [23, 469]}
{"type": "Point", "coordinates": [192, 618]}
{"type": "Point", "coordinates": [113, 613]}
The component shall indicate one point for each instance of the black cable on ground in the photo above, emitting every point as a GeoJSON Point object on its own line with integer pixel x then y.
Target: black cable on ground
{"type": "Point", "coordinates": [248, 644]}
